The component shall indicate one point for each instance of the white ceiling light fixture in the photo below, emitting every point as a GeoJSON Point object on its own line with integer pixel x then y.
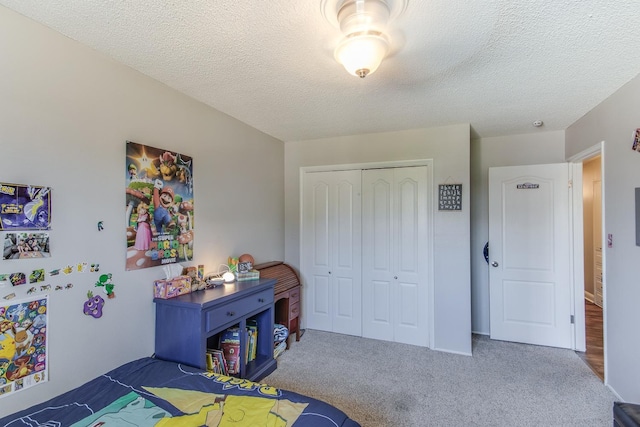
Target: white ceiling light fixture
{"type": "Point", "coordinates": [364, 25]}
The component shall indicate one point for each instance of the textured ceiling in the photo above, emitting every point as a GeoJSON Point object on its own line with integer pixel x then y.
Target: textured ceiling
{"type": "Point", "coordinates": [498, 65]}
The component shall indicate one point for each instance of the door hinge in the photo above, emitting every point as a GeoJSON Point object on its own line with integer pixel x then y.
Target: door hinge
{"type": "Point", "coordinates": [573, 319]}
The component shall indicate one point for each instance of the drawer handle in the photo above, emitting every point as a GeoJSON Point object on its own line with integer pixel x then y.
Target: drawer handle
{"type": "Point", "coordinates": [260, 299]}
{"type": "Point", "coordinates": [231, 313]}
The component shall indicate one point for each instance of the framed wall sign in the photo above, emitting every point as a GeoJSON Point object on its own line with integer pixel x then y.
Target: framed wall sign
{"type": "Point", "coordinates": [450, 197]}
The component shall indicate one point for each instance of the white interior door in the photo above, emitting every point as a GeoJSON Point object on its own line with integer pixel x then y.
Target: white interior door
{"type": "Point", "coordinates": [395, 254]}
{"type": "Point", "coordinates": [529, 256]}
{"type": "Point", "coordinates": [331, 251]}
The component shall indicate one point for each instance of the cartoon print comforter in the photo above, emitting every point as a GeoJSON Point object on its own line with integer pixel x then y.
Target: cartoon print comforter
{"type": "Point", "coordinates": [155, 393]}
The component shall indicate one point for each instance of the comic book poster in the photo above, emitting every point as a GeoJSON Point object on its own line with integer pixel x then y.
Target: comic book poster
{"type": "Point", "coordinates": [23, 344]}
{"type": "Point", "coordinates": [24, 207]}
{"type": "Point", "coordinates": [159, 206]}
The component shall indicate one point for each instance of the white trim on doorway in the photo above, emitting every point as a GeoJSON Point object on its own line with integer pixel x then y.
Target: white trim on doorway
{"type": "Point", "coordinates": [578, 245]}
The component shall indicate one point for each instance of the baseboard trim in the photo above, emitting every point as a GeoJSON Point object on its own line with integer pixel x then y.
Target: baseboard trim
{"type": "Point", "coordinates": [461, 353]}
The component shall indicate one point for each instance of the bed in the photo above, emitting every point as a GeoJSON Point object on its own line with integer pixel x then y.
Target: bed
{"type": "Point", "coordinates": [154, 392]}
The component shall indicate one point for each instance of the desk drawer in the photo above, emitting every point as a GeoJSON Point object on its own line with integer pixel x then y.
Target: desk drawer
{"type": "Point", "coordinates": [294, 295]}
{"type": "Point", "coordinates": [237, 309]}
{"type": "Point", "coordinates": [294, 310]}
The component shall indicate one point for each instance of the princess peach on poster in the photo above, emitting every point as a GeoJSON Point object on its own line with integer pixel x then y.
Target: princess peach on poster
{"type": "Point", "coordinates": [143, 235]}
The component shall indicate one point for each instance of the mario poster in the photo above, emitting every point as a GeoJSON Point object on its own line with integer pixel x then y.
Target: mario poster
{"type": "Point", "coordinates": [23, 344]}
{"type": "Point", "coordinates": [159, 206]}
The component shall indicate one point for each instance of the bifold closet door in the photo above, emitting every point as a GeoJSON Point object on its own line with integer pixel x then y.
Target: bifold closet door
{"type": "Point", "coordinates": [394, 254]}
{"type": "Point", "coordinates": [331, 251]}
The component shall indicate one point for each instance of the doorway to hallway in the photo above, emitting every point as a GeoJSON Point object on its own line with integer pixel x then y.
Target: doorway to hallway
{"type": "Point", "coordinates": [593, 264]}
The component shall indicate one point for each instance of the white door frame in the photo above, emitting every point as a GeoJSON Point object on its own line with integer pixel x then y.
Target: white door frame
{"type": "Point", "coordinates": [578, 248]}
{"type": "Point", "coordinates": [430, 221]}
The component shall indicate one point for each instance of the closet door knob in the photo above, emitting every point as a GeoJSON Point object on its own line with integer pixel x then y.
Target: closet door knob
{"type": "Point", "coordinates": [395, 277]}
{"type": "Point", "coordinates": [494, 264]}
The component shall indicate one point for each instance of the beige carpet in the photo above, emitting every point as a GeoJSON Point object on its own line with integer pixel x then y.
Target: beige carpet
{"type": "Point", "coordinates": [503, 384]}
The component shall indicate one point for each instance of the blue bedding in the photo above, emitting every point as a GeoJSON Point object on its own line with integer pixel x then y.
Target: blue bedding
{"type": "Point", "coordinates": [153, 392]}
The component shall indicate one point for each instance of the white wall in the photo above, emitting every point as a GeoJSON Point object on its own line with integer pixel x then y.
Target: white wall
{"type": "Point", "coordinates": [513, 150]}
{"type": "Point", "coordinates": [449, 148]}
{"type": "Point", "coordinates": [614, 121]}
{"type": "Point", "coordinates": [65, 114]}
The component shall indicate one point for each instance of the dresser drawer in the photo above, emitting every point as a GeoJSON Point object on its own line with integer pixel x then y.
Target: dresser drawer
{"type": "Point", "coordinates": [237, 309]}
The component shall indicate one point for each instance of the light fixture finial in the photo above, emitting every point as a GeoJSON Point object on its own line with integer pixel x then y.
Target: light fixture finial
{"type": "Point", "coordinates": [362, 72]}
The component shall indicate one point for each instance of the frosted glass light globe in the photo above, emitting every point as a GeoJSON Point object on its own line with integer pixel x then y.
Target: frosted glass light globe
{"type": "Point", "coordinates": [362, 53]}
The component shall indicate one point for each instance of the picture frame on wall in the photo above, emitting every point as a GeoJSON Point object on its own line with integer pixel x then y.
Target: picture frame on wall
{"type": "Point", "coordinates": [450, 197]}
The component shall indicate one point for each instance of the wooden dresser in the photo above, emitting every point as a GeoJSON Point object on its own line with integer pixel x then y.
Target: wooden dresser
{"type": "Point", "coordinates": [286, 295]}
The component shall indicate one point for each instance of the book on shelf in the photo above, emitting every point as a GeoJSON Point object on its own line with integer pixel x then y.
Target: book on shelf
{"type": "Point", "coordinates": [222, 362]}
{"type": "Point", "coordinates": [215, 361]}
{"type": "Point", "coordinates": [230, 346]}
{"type": "Point", "coordinates": [252, 340]}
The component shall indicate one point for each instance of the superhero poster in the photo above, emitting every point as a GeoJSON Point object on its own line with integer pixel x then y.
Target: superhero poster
{"type": "Point", "coordinates": [24, 207]}
{"type": "Point", "coordinates": [23, 344]}
{"type": "Point", "coordinates": [159, 206]}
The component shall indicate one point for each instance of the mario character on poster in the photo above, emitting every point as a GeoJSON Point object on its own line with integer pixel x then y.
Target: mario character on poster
{"type": "Point", "coordinates": [159, 207]}
{"type": "Point", "coordinates": [24, 207]}
{"type": "Point", "coordinates": [23, 345]}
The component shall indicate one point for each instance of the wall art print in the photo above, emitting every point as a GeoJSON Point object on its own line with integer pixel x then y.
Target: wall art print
{"type": "Point", "coordinates": [26, 246]}
{"type": "Point", "coordinates": [159, 206]}
{"type": "Point", "coordinates": [25, 207]}
{"type": "Point", "coordinates": [636, 140]}
{"type": "Point", "coordinates": [23, 344]}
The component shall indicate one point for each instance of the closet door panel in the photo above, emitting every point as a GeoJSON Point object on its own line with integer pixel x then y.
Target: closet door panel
{"type": "Point", "coordinates": [411, 255]}
{"type": "Point", "coordinates": [379, 230]}
{"type": "Point", "coordinates": [394, 254]}
{"type": "Point", "coordinates": [346, 249]}
{"type": "Point", "coordinates": [320, 223]}
{"type": "Point", "coordinates": [331, 250]}
{"type": "Point", "coordinates": [409, 306]}
{"type": "Point", "coordinates": [345, 298]}
{"type": "Point", "coordinates": [321, 303]}
{"type": "Point", "coordinates": [377, 251]}
{"type": "Point", "coordinates": [407, 226]}
{"type": "Point", "coordinates": [316, 252]}
{"type": "Point", "coordinates": [381, 308]}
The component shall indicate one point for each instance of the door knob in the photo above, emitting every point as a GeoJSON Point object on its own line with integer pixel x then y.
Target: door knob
{"type": "Point", "coordinates": [494, 264]}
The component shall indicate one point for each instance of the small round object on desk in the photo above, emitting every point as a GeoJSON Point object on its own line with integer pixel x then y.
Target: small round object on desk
{"type": "Point", "coordinates": [246, 258]}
